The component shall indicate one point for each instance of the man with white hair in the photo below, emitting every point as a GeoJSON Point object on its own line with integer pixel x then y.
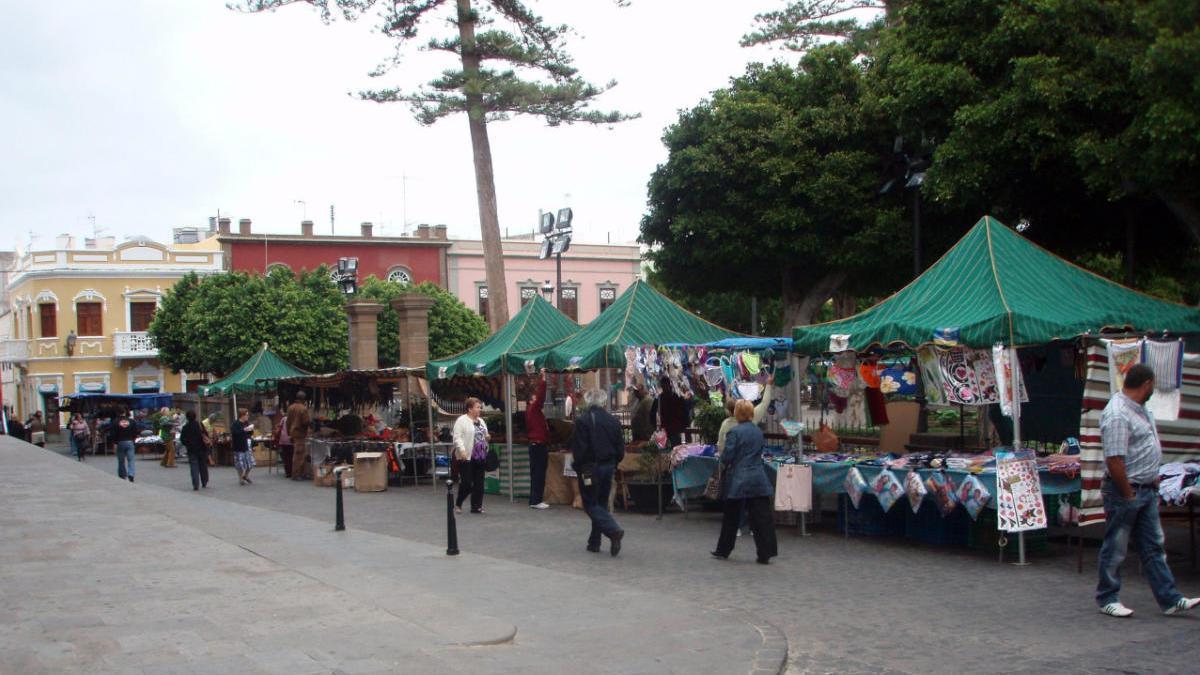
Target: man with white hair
{"type": "Point", "coordinates": [596, 449]}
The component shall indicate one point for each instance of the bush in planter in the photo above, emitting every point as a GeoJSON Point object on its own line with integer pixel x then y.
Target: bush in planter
{"type": "Point", "coordinates": [707, 417]}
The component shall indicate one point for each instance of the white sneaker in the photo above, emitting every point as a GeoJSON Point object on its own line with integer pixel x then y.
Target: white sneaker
{"type": "Point", "coordinates": [541, 505]}
{"type": "Point", "coordinates": [1116, 609]}
{"type": "Point", "coordinates": [1182, 606]}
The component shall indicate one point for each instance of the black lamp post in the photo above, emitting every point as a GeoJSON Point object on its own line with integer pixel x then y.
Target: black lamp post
{"type": "Point", "coordinates": [557, 240]}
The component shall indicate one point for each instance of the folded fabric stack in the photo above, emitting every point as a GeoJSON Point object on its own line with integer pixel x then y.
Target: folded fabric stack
{"type": "Point", "coordinates": [1178, 481]}
{"type": "Point", "coordinates": [1068, 465]}
{"type": "Point", "coordinates": [682, 452]}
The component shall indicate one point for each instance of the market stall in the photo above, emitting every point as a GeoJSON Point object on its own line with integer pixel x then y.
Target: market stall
{"type": "Point", "coordinates": [373, 414]}
{"type": "Point", "coordinates": [629, 341]}
{"type": "Point", "coordinates": [254, 381]}
{"type": "Point", "coordinates": [480, 371]}
{"type": "Point", "coordinates": [976, 315]}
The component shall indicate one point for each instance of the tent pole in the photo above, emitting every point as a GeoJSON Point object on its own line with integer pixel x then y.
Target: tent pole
{"type": "Point", "coordinates": [508, 431]}
{"type": "Point", "coordinates": [431, 435]}
{"type": "Point", "coordinates": [1016, 408]}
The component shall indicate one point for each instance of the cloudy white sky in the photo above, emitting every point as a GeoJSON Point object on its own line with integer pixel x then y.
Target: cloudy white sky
{"type": "Point", "coordinates": [154, 114]}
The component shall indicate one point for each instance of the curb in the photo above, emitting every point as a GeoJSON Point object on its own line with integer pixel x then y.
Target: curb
{"type": "Point", "coordinates": [771, 658]}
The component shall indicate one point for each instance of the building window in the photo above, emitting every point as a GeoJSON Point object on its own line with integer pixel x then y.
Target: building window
{"type": "Point", "coordinates": [483, 303]}
{"type": "Point", "coordinates": [140, 315]}
{"type": "Point", "coordinates": [568, 302]}
{"type": "Point", "coordinates": [607, 297]}
{"type": "Point", "coordinates": [88, 319]}
{"type": "Point", "coordinates": [49, 313]}
{"type": "Point", "coordinates": [527, 293]}
{"type": "Point", "coordinates": [400, 275]}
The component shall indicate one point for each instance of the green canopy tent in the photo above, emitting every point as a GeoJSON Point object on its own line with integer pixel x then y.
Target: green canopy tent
{"type": "Point", "coordinates": [640, 316]}
{"type": "Point", "coordinates": [265, 366]}
{"type": "Point", "coordinates": [538, 324]}
{"type": "Point", "coordinates": [995, 286]}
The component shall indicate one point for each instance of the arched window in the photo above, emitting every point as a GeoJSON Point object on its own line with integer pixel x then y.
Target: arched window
{"type": "Point", "coordinates": [400, 275]}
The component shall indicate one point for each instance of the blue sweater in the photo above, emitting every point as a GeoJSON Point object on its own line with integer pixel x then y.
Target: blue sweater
{"type": "Point", "coordinates": [745, 475]}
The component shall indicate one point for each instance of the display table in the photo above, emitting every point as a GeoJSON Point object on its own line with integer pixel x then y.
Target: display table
{"type": "Point", "coordinates": [829, 478]}
{"type": "Point", "coordinates": [418, 460]}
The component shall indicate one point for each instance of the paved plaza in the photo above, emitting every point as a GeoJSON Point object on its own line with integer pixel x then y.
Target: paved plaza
{"type": "Point", "coordinates": [105, 576]}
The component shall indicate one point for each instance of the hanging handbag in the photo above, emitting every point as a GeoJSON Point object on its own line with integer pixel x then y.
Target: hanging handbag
{"type": "Point", "coordinates": [714, 487]}
{"type": "Point", "coordinates": [492, 461]}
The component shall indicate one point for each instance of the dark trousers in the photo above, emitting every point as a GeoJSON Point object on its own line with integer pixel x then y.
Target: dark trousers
{"type": "Point", "coordinates": [595, 503]}
{"type": "Point", "coordinates": [539, 459]}
{"type": "Point", "coordinates": [762, 521]}
{"type": "Point", "coordinates": [285, 456]}
{"type": "Point", "coordinates": [198, 462]}
{"type": "Point", "coordinates": [470, 482]}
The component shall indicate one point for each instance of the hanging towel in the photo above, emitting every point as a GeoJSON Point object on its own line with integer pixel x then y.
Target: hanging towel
{"type": "Point", "coordinates": [1166, 360]}
{"type": "Point", "coordinates": [1122, 355]}
{"type": "Point", "coordinates": [793, 488]}
{"type": "Point", "coordinates": [1165, 405]}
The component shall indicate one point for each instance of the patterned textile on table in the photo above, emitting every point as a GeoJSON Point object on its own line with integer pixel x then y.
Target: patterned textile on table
{"type": "Point", "coordinates": [1180, 438]}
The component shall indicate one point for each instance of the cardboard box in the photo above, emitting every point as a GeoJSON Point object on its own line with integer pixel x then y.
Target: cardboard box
{"type": "Point", "coordinates": [370, 472]}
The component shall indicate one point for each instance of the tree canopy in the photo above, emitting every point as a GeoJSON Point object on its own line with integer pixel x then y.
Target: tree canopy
{"type": "Point", "coordinates": [214, 323]}
{"type": "Point", "coordinates": [771, 186]}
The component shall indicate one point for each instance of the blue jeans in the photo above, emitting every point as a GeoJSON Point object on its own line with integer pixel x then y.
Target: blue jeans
{"type": "Point", "coordinates": [125, 458]}
{"type": "Point", "coordinates": [1135, 519]}
{"type": "Point", "coordinates": [595, 503]}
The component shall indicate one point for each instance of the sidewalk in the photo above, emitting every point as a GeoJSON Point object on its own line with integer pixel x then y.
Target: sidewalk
{"type": "Point", "coordinates": [106, 576]}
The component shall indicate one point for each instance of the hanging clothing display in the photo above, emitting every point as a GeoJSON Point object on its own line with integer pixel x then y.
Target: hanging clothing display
{"type": "Point", "coordinates": [793, 488]}
{"type": "Point", "coordinates": [898, 381]}
{"type": "Point", "coordinates": [1166, 360]}
{"type": "Point", "coordinates": [1122, 355]}
{"type": "Point", "coordinates": [963, 375]}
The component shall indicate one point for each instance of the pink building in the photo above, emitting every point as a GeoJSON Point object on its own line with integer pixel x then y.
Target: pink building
{"type": "Point", "coordinates": [593, 275]}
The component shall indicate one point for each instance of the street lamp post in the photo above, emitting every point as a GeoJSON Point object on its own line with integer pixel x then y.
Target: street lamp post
{"type": "Point", "coordinates": [557, 240]}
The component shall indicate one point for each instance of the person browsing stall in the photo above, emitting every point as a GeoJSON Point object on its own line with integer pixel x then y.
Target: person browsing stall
{"type": "Point", "coordinates": [596, 450]}
{"type": "Point", "coordinates": [470, 455]}
{"type": "Point", "coordinates": [1132, 456]}
{"type": "Point", "coordinates": [745, 483]}
{"type": "Point", "coordinates": [299, 423]}
{"type": "Point", "coordinates": [243, 457]}
{"type": "Point", "coordinates": [539, 435]}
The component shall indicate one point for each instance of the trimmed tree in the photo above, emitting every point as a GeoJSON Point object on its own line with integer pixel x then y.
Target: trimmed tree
{"type": "Point", "coordinates": [548, 86]}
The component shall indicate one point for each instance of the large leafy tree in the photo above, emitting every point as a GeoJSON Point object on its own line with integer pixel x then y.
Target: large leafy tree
{"type": "Point", "coordinates": [213, 324]}
{"type": "Point", "coordinates": [509, 62]}
{"type": "Point", "coordinates": [453, 326]}
{"type": "Point", "coordinates": [771, 188]}
{"type": "Point", "coordinates": [1080, 116]}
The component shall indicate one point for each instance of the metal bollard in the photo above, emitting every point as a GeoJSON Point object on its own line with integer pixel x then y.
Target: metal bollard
{"type": "Point", "coordinates": [340, 524]}
{"type": "Point", "coordinates": [451, 527]}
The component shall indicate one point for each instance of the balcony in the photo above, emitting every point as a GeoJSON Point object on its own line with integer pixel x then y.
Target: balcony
{"type": "Point", "coordinates": [137, 345]}
{"type": "Point", "coordinates": [14, 351]}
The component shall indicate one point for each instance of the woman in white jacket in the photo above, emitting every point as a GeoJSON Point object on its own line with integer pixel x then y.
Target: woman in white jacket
{"type": "Point", "coordinates": [470, 454]}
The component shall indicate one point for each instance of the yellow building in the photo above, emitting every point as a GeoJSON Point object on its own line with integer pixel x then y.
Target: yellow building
{"type": "Point", "coordinates": [78, 317]}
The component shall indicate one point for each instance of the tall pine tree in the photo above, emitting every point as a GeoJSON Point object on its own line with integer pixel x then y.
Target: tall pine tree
{"type": "Point", "coordinates": [532, 75]}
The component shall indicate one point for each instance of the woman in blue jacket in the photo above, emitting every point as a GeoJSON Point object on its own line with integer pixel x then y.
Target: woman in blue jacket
{"type": "Point", "coordinates": [746, 483]}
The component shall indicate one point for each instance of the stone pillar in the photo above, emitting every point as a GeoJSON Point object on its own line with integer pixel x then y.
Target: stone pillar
{"type": "Point", "coordinates": [364, 334]}
{"type": "Point", "coordinates": [413, 311]}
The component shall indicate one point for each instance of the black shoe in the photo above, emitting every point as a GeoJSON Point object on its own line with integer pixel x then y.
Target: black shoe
{"type": "Point", "coordinates": [763, 561]}
{"type": "Point", "coordinates": [615, 546]}
{"type": "Point", "coordinates": [719, 555]}
{"type": "Point", "coordinates": [196, 488]}
{"type": "Point", "coordinates": [593, 549]}
{"type": "Point", "coordinates": [131, 479]}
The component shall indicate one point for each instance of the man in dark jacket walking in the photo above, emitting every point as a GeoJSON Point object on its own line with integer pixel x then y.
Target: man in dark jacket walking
{"type": "Point", "coordinates": [596, 450]}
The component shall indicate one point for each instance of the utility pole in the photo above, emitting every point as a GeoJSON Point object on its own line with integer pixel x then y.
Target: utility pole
{"type": "Point", "coordinates": [331, 232]}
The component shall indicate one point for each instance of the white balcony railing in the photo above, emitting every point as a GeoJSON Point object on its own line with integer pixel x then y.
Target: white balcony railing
{"type": "Point", "coordinates": [14, 351]}
{"type": "Point", "coordinates": [133, 345]}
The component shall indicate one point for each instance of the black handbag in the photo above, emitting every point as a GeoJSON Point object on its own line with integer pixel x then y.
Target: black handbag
{"type": "Point", "coordinates": [492, 462]}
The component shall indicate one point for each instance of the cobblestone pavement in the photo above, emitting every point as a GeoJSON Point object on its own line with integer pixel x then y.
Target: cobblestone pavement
{"type": "Point", "coordinates": [104, 576]}
{"type": "Point", "coordinates": [857, 605]}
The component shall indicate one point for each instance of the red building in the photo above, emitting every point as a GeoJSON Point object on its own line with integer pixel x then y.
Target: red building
{"type": "Point", "coordinates": [414, 259]}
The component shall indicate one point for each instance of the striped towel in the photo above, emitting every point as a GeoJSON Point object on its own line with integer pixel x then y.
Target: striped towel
{"type": "Point", "coordinates": [1166, 360]}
